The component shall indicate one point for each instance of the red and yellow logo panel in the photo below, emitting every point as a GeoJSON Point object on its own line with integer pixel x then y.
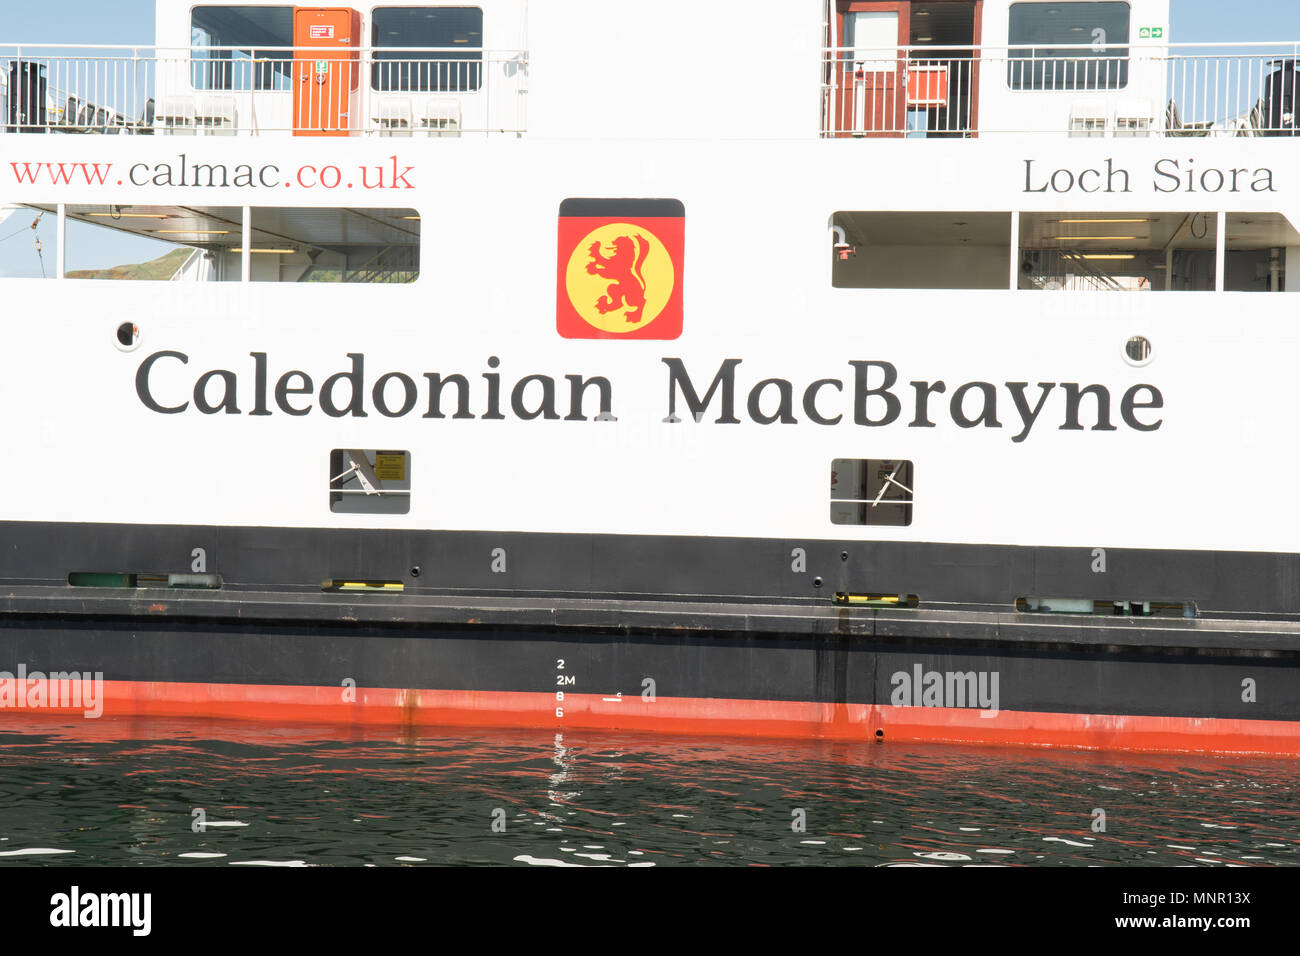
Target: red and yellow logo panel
{"type": "Point", "coordinates": [620, 269]}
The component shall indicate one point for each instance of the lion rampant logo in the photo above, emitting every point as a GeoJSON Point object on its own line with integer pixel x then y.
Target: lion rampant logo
{"type": "Point", "coordinates": [627, 285]}
{"type": "Point", "coordinates": [619, 268]}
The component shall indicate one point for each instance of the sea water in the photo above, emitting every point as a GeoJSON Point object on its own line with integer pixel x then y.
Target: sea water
{"type": "Point", "coordinates": [222, 793]}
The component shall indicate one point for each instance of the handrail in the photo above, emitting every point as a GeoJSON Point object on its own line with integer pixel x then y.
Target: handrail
{"type": "Point", "coordinates": [250, 90]}
{"type": "Point", "coordinates": [1139, 47]}
{"type": "Point", "coordinates": [258, 46]}
{"type": "Point", "coordinates": [1130, 45]}
{"type": "Point", "coordinates": [1119, 89]}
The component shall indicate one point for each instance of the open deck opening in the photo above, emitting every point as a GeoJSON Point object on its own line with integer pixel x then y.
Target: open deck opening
{"type": "Point", "coordinates": [195, 243]}
{"type": "Point", "coordinates": [1134, 250]}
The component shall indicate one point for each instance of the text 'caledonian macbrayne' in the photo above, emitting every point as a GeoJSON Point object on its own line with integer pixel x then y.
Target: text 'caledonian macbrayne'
{"type": "Point", "coordinates": [870, 395]}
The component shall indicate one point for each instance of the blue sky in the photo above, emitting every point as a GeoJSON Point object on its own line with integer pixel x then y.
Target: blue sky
{"type": "Point", "coordinates": [131, 22]}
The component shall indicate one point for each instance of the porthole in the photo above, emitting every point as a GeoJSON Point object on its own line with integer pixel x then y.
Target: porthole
{"type": "Point", "coordinates": [1139, 351]}
{"type": "Point", "coordinates": [126, 336]}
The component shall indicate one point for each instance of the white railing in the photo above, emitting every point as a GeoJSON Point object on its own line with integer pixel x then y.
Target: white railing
{"type": "Point", "coordinates": [238, 91]}
{"type": "Point", "coordinates": [1082, 90]}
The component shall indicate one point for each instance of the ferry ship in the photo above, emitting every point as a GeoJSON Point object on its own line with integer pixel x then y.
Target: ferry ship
{"type": "Point", "coordinates": [873, 371]}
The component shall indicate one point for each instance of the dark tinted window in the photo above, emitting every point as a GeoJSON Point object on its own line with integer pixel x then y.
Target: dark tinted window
{"type": "Point", "coordinates": [370, 481]}
{"type": "Point", "coordinates": [249, 29]}
{"type": "Point", "coordinates": [1102, 64]}
{"type": "Point", "coordinates": [441, 48]}
{"type": "Point", "coordinates": [871, 491]}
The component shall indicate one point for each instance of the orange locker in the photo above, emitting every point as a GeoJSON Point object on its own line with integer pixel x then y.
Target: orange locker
{"type": "Point", "coordinates": [326, 73]}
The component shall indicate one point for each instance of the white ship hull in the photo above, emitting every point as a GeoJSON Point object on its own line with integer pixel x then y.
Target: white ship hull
{"type": "Point", "coordinates": [666, 509]}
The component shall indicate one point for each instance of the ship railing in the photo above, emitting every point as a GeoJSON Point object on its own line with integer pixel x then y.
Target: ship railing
{"type": "Point", "coordinates": [1087, 90]}
{"type": "Point", "coordinates": [229, 91]}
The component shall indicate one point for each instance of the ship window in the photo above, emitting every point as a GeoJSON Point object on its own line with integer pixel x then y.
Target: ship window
{"type": "Point", "coordinates": [920, 250]}
{"type": "Point", "coordinates": [441, 48]}
{"type": "Point", "coordinates": [370, 481]}
{"type": "Point", "coordinates": [871, 491]}
{"type": "Point", "coordinates": [1135, 251]}
{"type": "Point", "coordinates": [322, 244]}
{"type": "Point", "coordinates": [1071, 46]}
{"type": "Point", "coordinates": [249, 31]}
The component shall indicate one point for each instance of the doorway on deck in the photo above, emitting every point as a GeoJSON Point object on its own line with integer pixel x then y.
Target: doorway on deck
{"type": "Point", "coordinates": [869, 67]}
{"type": "Point", "coordinates": [906, 69]}
{"type": "Point", "coordinates": [942, 94]}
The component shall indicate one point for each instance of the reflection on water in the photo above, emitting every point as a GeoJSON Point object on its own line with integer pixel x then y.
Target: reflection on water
{"type": "Point", "coordinates": [196, 793]}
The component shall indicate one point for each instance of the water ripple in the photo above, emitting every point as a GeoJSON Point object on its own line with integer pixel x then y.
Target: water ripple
{"type": "Point", "coordinates": [126, 792]}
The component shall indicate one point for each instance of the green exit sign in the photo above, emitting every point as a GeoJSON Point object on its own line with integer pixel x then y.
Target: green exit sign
{"type": "Point", "coordinates": [1150, 33]}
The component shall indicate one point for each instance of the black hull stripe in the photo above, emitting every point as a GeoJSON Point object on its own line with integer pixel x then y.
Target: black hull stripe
{"type": "Point", "coordinates": [819, 668]}
{"type": "Point", "coordinates": [956, 575]}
